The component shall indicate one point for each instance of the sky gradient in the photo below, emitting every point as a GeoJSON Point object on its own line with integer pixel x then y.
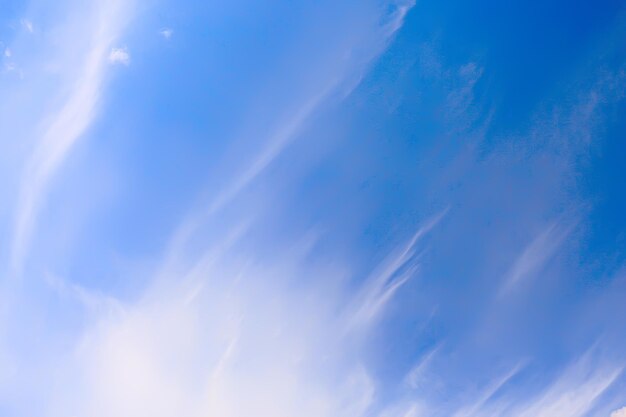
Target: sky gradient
{"type": "Point", "coordinates": [312, 208]}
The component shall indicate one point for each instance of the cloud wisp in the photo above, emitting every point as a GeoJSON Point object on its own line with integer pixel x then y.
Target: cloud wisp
{"type": "Point", "coordinates": [389, 278]}
{"type": "Point", "coordinates": [535, 256]}
{"type": "Point", "coordinates": [247, 340]}
{"type": "Point", "coordinates": [277, 287]}
{"type": "Point", "coordinates": [575, 392]}
{"type": "Point", "coordinates": [343, 83]}
{"type": "Point", "coordinates": [66, 124]}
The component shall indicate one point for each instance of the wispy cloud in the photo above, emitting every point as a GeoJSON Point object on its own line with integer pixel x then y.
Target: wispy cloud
{"type": "Point", "coordinates": [535, 256]}
{"type": "Point", "coordinates": [619, 413]}
{"type": "Point", "coordinates": [575, 392]}
{"type": "Point", "coordinates": [479, 406]}
{"type": "Point", "coordinates": [88, 300]}
{"type": "Point", "coordinates": [416, 377]}
{"type": "Point", "coordinates": [242, 336]}
{"type": "Point", "coordinates": [343, 82]}
{"type": "Point", "coordinates": [65, 125]}
{"type": "Point", "coordinates": [275, 145]}
{"type": "Point", "coordinates": [388, 278]}
{"type": "Point", "coordinates": [397, 18]}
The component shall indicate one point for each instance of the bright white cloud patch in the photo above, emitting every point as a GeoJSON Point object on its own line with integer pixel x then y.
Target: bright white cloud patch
{"type": "Point", "coordinates": [119, 56]}
{"type": "Point", "coordinates": [231, 348]}
{"type": "Point", "coordinates": [619, 413]}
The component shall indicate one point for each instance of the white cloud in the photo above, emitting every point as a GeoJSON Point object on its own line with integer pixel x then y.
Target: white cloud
{"type": "Point", "coordinates": [8, 53]}
{"type": "Point", "coordinates": [66, 124]}
{"type": "Point", "coordinates": [247, 343]}
{"type": "Point", "coordinates": [166, 32]}
{"type": "Point", "coordinates": [619, 413]}
{"type": "Point", "coordinates": [119, 56]}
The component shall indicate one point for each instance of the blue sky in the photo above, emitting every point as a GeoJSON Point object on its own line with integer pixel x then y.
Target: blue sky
{"type": "Point", "coordinates": [276, 208]}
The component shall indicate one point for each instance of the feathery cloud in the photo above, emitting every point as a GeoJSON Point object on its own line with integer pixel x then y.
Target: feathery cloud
{"type": "Point", "coordinates": [65, 126]}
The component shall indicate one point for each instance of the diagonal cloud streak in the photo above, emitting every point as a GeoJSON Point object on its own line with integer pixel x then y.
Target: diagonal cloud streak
{"type": "Point", "coordinates": [67, 125]}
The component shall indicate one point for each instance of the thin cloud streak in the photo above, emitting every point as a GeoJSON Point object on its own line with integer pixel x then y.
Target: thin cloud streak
{"type": "Point", "coordinates": [395, 272]}
{"type": "Point", "coordinates": [289, 131]}
{"type": "Point", "coordinates": [416, 376]}
{"type": "Point", "coordinates": [575, 392]}
{"type": "Point", "coordinates": [477, 409]}
{"type": "Point", "coordinates": [67, 126]}
{"type": "Point", "coordinates": [535, 256]}
{"type": "Point", "coordinates": [272, 150]}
